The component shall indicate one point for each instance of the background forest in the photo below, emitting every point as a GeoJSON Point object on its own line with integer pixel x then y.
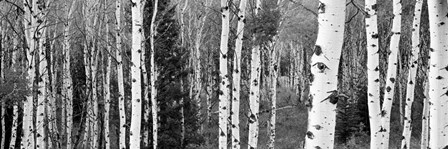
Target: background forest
{"type": "Point", "coordinates": [83, 44]}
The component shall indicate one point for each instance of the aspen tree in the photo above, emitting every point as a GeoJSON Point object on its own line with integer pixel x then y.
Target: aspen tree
{"type": "Point", "coordinates": [15, 64]}
{"type": "Point", "coordinates": [254, 90]}
{"type": "Point", "coordinates": [437, 73]}
{"type": "Point", "coordinates": [153, 76]}
{"type": "Point", "coordinates": [67, 79]}
{"type": "Point", "coordinates": [391, 74]}
{"type": "Point", "coordinates": [425, 115]}
{"type": "Point", "coordinates": [137, 40]}
{"type": "Point", "coordinates": [323, 94]}
{"type": "Point", "coordinates": [107, 81]}
{"type": "Point", "coordinates": [2, 80]}
{"type": "Point", "coordinates": [42, 92]}
{"type": "Point", "coordinates": [413, 65]}
{"type": "Point", "coordinates": [87, 54]}
{"type": "Point", "coordinates": [181, 102]}
{"type": "Point", "coordinates": [52, 95]}
{"type": "Point", "coordinates": [373, 73]}
{"type": "Point", "coordinates": [29, 23]}
{"type": "Point", "coordinates": [223, 93]}
{"type": "Point", "coordinates": [273, 69]}
{"type": "Point", "coordinates": [237, 75]}
{"type": "Point", "coordinates": [120, 76]}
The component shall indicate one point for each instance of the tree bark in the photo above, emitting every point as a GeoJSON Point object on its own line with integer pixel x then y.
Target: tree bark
{"type": "Point", "coordinates": [120, 76]}
{"type": "Point", "coordinates": [224, 93]}
{"type": "Point", "coordinates": [107, 81]}
{"type": "Point", "coordinates": [153, 77]}
{"type": "Point", "coordinates": [136, 53]}
{"type": "Point", "coordinates": [236, 144]}
{"type": "Point", "coordinates": [323, 81]}
{"type": "Point", "coordinates": [437, 73]}
{"type": "Point", "coordinates": [413, 65]}
{"type": "Point", "coordinates": [254, 95]}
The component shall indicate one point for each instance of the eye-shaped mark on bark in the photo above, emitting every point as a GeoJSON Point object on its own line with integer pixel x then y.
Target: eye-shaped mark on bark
{"type": "Point", "coordinates": [310, 135]}
{"type": "Point", "coordinates": [321, 66]}
{"type": "Point", "coordinates": [318, 147]}
{"type": "Point", "coordinates": [318, 127]}
{"type": "Point", "coordinates": [439, 77]}
{"type": "Point", "coordinates": [392, 80]}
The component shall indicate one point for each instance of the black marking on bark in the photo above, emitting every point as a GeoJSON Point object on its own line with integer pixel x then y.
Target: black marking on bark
{"type": "Point", "coordinates": [377, 80]}
{"type": "Point", "coordinates": [311, 77]}
{"type": "Point", "coordinates": [317, 50]}
{"type": "Point", "coordinates": [383, 113]}
{"type": "Point", "coordinates": [442, 23]}
{"type": "Point", "coordinates": [439, 77]}
{"type": "Point", "coordinates": [392, 80]}
{"type": "Point", "coordinates": [222, 133]}
{"type": "Point", "coordinates": [375, 36]}
{"type": "Point", "coordinates": [318, 147]}
{"type": "Point", "coordinates": [375, 7]}
{"type": "Point", "coordinates": [310, 135]}
{"type": "Point", "coordinates": [370, 95]}
{"type": "Point", "coordinates": [321, 7]}
{"type": "Point", "coordinates": [411, 82]}
{"type": "Point", "coordinates": [318, 127]}
{"type": "Point", "coordinates": [431, 49]}
{"type": "Point", "coordinates": [388, 89]}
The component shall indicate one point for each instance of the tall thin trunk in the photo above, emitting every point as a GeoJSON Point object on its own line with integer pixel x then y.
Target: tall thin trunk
{"type": "Point", "coordinates": [15, 64]}
{"type": "Point", "coordinates": [2, 80]}
{"type": "Point", "coordinates": [28, 139]}
{"type": "Point", "coordinates": [41, 83]}
{"type": "Point", "coordinates": [181, 102]}
{"type": "Point", "coordinates": [107, 95]}
{"type": "Point", "coordinates": [153, 76]}
{"type": "Point", "coordinates": [425, 116]}
{"type": "Point", "coordinates": [88, 13]}
{"type": "Point", "coordinates": [254, 95]}
{"type": "Point", "coordinates": [120, 76]}
{"type": "Point", "coordinates": [273, 69]}
{"type": "Point", "coordinates": [413, 65]}
{"type": "Point", "coordinates": [237, 76]}
{"type": "Point", "coordinates": [136, 53]}
{"type": "Point", "coordinates": [323, 82]}
{"type": "Point", "coordinates": [51, 99]}
{"type": "Point", "coordinates": [373, 73]}
{"type": "Point", "coordinates": [224, 76]}
{"type": "Point", "coordinates": [437, 73]}
{"type": "Point", "coordinates": [391, 74]}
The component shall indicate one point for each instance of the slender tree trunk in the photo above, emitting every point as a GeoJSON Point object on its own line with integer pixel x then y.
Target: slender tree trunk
{"type": "Point", "coordinates": [391, 74]}
{"type": "Point", "coordinates": [42, 82]}
{"type": "Point", "coordinates": [107, 81]}
{"type": "Point", "coordinates": [413, 65]}
{"type": "Point", "coordinates": [237, 76]}
{"type": "Point", "coordinates": [437, 73]}
{"type": "Point", "coordinates": [28, 105]}
{"type": "Point", "coordinates": [137, 41]}
{"type": "Point", "coordinates": [224, 92]}
{"type": "Point", "coordinates": [181, 102]}
{"type": "Point", "coordinates": [273, 69]}
{"type": "Point", "coordinates": [2, 80]}
{"type": "Point", "coordinates": [14, 64]}
{"type": "Point", "coordinates": [51, 99]}
{"type": "Point", "coordinates": [254, 95]}
{"type": "Point", "coordinates": [425, 116]}
{"type": "Point", "coordinates": [323, 84]}
{"type": "Point", "coordinates": [153, 77]}
{"type": "Point", "coordinates": [373, 73]}
{"type": "Point", "coordinates": [120, 76]}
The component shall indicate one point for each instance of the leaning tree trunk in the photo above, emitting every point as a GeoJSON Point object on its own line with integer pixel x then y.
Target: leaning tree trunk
{"type": "Point", "coordinates": [137, 40]}
{"type": "Point", "coordinates": [437, 73]}
{"type": "Point", "coordinates": [254, 90]}
{"type": "Point", "coordinates": [391, 74]}
{"type": "Point", "coordinates": [120, 77]}
{"type": "Point", "coordinates": [224, 95]}
{"type": "Point", "coordinates": [413, 65]}
{"type": "Point", "coordinates": [28, 105]}
{"type": "Point", "coordinates": [323, 82]}
{"type": "Point", "coordinates": [153, 77]}
{"type": "Point", "coordinates": [237, 76]}
{"type": "Point", "coordinates": [373, 73]}
{"type": "Point", "coordinates": [425, 116]}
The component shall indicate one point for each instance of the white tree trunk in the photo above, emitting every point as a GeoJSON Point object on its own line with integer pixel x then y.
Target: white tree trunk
{"type": "Point", "coordinates": [425, 116]}
{"type": "Point", "coordinates": [391, 74]}
{"type": "Point", "coordinates": [413, 65]}
{"type": "Point", "coordinates": [153, 77]}
{"type": "Point", "coordinates": [373, 73]}
{"type": "Point", "coordinates": [181, 102]}
{"type": "Point", "coordinates": [273, 70]}
{"type": "Point", "coordinates": [224, 97]}
{"type": "Point", "coordinates": [323, 82]}
{"type": "Point", "coordinates": [437, 73]}
{"type": "Point", "coordinates": [42, 83]}
{"type": "Point", "coordinates": [14, 65]}
{"type": "Point", "coordinates": [120, 76]}
{"type": "Point", "coordinates": [107, 95]}
{"type": "Point", "coordinates": [237, 76]}
{"type": "Point", "coordinates": [254, 90]}
{"type": "Point", "coordinates": [137, 40]}
{"type": "Point", "coordinates": [28, 105]}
